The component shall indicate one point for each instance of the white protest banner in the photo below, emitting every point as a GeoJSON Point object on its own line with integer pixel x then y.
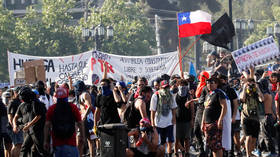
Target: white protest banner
{"type": "Point", "coordinates": [255, 54]}
{"type": "Point", "coordinates": [130, 66]}
{"type": "Point", "coordinates": [57, 68]}
{"type": "Point", "coordinates": [88, 66]}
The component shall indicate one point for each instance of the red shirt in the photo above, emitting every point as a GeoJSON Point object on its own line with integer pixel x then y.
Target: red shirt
{"type": "Point", "coordinates": [71, 141]}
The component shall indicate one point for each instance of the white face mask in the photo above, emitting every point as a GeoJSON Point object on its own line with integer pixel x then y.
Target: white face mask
{"type": "Point", "coordinates": [183, 90]}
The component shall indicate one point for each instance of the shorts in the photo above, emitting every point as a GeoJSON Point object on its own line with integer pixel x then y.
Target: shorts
{"type": "Point", "coordinates": [166, 133]}
{"type": "Point", "coordinates": [213, 136]}
{"type": "Point", "coordinates": [88, 127]}
{"type": "Point", "coordinates": [235, 127]}
{"type": "Point", "coordinates": [17, 138]}
{"type": "Point", "coordinates": [66, 151]}
{"type": "Point", "coordinates": [137, 153]}
{"type": "Point", "coordinates": [251, 127]}
{"type": "Point", "coordinates": [183, 130]}
{"type": "Point", "coordinates": [6, 140]}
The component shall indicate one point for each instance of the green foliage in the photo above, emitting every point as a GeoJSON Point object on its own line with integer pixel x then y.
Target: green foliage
{"type": "Point", "coordinates": [133, 34]}
{"type": "Point", "coordinates": [51, 33]}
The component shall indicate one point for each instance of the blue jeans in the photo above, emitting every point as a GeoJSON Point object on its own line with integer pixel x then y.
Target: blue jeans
{"type": "Point", "coordinates": [66, 151]}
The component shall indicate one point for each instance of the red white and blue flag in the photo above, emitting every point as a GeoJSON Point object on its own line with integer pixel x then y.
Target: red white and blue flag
{"type": "Point", "coordinates": [194, 23]}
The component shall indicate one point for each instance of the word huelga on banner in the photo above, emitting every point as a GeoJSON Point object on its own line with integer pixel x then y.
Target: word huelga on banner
{"type": "Point", "coordinates": [255, 54]}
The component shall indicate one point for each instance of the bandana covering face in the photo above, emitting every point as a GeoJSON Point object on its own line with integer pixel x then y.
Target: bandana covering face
{"type": "Point", "coordinates": [106, 90]}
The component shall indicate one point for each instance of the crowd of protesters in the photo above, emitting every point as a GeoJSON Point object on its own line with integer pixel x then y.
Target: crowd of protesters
{"type": "Point", "coordinates": [219, 113]}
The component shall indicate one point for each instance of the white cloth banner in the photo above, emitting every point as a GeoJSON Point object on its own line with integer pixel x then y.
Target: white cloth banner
{"type": "Point", "coordinates": [88, 66]}
{"type": "Point", "coordinates": [255, 54]}
{"type": "Point", "coordinates": [130, 66]}
{"type": "Point", "coordinates": [57, 68]}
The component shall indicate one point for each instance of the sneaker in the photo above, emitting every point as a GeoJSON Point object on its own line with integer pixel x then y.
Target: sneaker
{"type": "Point", "coordinates": [257, 153]}
{"type": "Point", "coordinates": [271, 155]}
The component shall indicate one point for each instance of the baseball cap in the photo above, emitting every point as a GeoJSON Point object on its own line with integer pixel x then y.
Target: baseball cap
{"type": "Point", "coordinates": [61, 93]}
{"type": "Point", "coordinates": [145, 121]}
{"type": "Point", "coordinates": [164, 84]}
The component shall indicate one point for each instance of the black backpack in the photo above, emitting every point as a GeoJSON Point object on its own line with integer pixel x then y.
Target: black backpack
{"type": "Point", "coordinates": [63, 121]}
{"type": "Point", "coordinates": [131, 116]}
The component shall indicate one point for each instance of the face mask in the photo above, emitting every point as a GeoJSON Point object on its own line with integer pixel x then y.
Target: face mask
{"type": "Point", "coordinates": [105, 90]}
{"type": "Point", "coordinates": [182, 90]}
{"type": "Point", "coordinates": [143, 129]}
{"type": "Point", "coordinates": [174, 90]}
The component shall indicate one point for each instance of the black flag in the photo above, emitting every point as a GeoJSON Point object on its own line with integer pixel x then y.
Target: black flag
{"type": "Point", "coordinates": [222, 32]}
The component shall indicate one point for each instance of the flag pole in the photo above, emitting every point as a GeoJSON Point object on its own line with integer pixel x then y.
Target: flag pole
{"type": "Point", "coordinates": [185, 54]}
{"type": "Point", "coordinates": [179, 49]}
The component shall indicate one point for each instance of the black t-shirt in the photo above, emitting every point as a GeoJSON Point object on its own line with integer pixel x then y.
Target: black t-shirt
{"type": "Point", "coordinates": [230, 92]}
{"type": "Point", "coordinates": [213, 107]}
{"type": "Point", "coordinates": [202, 97]}
{"type": "Point", "coordinates": [13, 106]}
{"type": "Point", "coordinates": [28, 111]}
{"type": "Point", "coordinates": [183, 114]}
{"type": "Point", "coordinates": [108, 106]}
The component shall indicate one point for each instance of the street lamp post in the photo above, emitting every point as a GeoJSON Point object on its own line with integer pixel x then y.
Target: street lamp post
{"type": "Point", "coordinates": [269, 30]}
{"type": "Point", "coordinates": [241, 28]}
{"type": "Point", "coordinates": [251, 25]}
{"type": "Point", "coordinates": [99, 34]}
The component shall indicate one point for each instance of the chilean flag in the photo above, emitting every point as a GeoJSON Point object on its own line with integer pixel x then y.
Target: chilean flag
{"type": "Point", "coordinates": [194, 23]}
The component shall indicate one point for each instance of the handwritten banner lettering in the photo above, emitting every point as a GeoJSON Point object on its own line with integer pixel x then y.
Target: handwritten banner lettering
{"type": "Point", "coordinates": [89, 66]}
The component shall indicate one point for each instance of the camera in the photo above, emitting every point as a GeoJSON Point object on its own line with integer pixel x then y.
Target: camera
{"type": "Point", "coordinates": [146, 129]}
{"type": "Point", "coordinates": [251, 88]}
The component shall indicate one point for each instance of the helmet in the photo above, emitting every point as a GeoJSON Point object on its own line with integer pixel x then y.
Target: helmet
{"type": "Point", "coordinates": [26, 94]}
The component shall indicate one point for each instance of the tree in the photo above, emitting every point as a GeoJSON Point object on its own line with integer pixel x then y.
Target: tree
{"type": "Point", "coordinates": [133, 33]}
{"type": "Point", "coordinates": [8, 39]}
{"type": "Point", "coordinates": [50, 32]}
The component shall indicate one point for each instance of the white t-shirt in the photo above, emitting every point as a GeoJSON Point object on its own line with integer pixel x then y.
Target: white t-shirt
{"type": "Point", "coordinates": [163, 121]}
{"type": "Point", "coordinates": [44, 99]}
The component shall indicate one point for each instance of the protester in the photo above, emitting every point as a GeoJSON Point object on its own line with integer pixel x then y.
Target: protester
{"type": "Point", "coordinates": [44, 97]}
{"type": "Point", "coordinates": [32, 112]}
{"type": "Point", "coordinates": [200, 93]}
{"type": "Point", "coordinates": [147, 141]}
{"type": "Point", "coordinates": [212, 120]}
{"type": "Point", "coordinates": [83, 100]}
{"type": "Point", "coordinates": [121, 96]}
{"type": "Point", "coordinates": [250, 97]}
{"type": "Point", "coordinates": [163, 114]}
{"type": "Point", "coordinates": [17, 138]}
{"type": "Point", "coordinates": [138, 109]}
{"type": "Point", "coordinates": [60, 124]}
{"type": "Point", "coordinates": [184, 119]}
{"type": "Point", "coordinates": [5, 138]}
{"type": "Point", "coordinates": [267, 130]}
{"type": "Point", "coordinates": [231, 94]}
{"type": "Point", "coordinates": [106, 107]}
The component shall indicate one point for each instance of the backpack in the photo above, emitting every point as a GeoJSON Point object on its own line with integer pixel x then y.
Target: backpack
{"type": "Point", "coordinates": [131, 116]}
{"type": "Point", "coordinates": [63, 122]}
